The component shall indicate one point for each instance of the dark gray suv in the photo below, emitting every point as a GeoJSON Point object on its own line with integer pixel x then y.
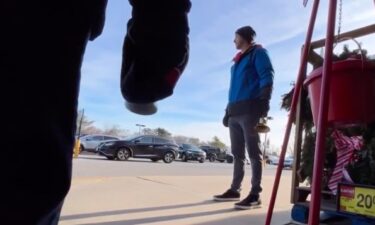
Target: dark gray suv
{"type": "Point", "coordinates": [217, 154]}
{"type": "Point", "coordinates": [140, 146]}
{"type": "Point", "coordinates": [192, 152]}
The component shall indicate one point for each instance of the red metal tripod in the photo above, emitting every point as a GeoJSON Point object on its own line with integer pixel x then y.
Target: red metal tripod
{"type": "Point", "coordinates": [323, 113]}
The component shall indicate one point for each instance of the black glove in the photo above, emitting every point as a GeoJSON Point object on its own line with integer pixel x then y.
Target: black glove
{"type": "Point", "coordinates": [226, 119]}
{"type": "Point", "coordinates": [155, 51]}
{"type": "Point", "coordinates": [266, 93]}
{"type": "Point", "coordinates": [264, 100]}
{"type": "Point", "coordinates": [264, 107]}
{"type": "Point", "coordinates": [97, 17]}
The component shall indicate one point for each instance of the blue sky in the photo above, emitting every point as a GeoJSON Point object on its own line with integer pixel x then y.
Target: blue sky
{"type": "Point", "coordinates": [197, 106]}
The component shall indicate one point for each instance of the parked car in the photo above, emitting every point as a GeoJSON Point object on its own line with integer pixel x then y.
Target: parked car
{"type": "Point", "coordinates": [229, 158]}
{"type": "Point", "coordinates": [272, 160]}
{"type": "Point", "coordinates": [140, 146]}
{"type": "Point", "coordinates": [288, 162]}
{"type": "Point", "coordinates": [91, 142]}
{"type": "Point", "coordinates": [192, 152]}
{"type": "Point", "coordinates": [217, 154]}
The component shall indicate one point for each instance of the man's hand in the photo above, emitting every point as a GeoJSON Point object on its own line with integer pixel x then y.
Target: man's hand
{"type": "Point", "coordinates": [266, 93]}
{"type": "Point", "coordinates": [264, 100]}
{"type": "Point", "coordinates": [226, 119]}
{"type": "Point", "coordinates": [264, 107]}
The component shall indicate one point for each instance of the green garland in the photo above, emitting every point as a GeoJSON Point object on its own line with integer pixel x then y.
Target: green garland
{"type": "Point", "coordinates": [362, 170]}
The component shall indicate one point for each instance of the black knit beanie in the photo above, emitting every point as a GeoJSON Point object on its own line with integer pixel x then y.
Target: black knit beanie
{"type": "Point", "coordinates": [247, 33]}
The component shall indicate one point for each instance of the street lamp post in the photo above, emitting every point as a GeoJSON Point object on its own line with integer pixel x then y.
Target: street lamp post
{"type": "Point", "coordinates": [265, 138]}
{"type": "Point", "coordinates": [140, 127]}
{"type": "Point", "coordinates": [262, 127]}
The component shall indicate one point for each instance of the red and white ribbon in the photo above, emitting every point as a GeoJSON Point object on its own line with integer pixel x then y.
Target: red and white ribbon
{"type": "Point", "coordinates": [345, 147]}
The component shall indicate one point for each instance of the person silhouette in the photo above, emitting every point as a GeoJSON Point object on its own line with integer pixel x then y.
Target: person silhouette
{"type": "Point", "coordinates": [42, 45]}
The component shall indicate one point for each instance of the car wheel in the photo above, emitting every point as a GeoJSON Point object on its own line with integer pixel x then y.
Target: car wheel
{"type": "Point", "coordinates": [201, 161]}
{"type": "Point", "coordinates": [212, 158]}
{"type": "Point", "coordinates": [123, 154]}
{"type": "Point", "coordinates": [168, 157]}
{"type": "Point", "coordinates": [184, 158]}
{"type": "Point", "coordinates": [81, 149]}
{"type": "Point", "coordinates": [155, 160]}
{"type": "Point", "coordinates": [229, 160]}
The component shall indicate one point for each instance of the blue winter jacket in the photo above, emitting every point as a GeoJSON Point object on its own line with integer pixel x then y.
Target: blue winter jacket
{"type": "Point", "coordinates": [252, 72]}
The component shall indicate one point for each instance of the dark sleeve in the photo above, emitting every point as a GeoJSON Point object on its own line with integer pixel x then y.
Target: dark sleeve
{"type": "Point", "coordinates": [97, 17]}
{"type": "Point", "coordinates": [154, 7]}
{"type": "Point", "coordinates": [264, 67]}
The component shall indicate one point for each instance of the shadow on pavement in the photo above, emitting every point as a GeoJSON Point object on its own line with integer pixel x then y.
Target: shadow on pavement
{"type": "Point", "coordinates": [90, 157]}
{"type": "Point", "coordinates": [93, 156]}
{"type": "Point", "coordinates": [102, 158]}
{"type": "Point", "coordinates": [128, 211]}
{"type": "Point", "coordinates": [278, 218]}
{"type": "Point", "coordinates": [163, 218]}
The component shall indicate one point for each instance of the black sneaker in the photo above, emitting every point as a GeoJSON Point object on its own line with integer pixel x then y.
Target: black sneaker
{"type": "Point", "coordinates": [229, 195]}
{"type": "Point", "coordinates": [250, 202]}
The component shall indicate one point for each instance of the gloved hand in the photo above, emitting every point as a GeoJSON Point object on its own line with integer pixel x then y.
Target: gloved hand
{"type": "Point", "coordinates": [264, 107]}
{"type": "Point", "coordinates": [97, 17]}
{"type": "Point", "coordinates": [264, 100]}
{"type": "Point", "coordinates": [226, 119]}
{"type": "Point", "coordinates": [155, 52]}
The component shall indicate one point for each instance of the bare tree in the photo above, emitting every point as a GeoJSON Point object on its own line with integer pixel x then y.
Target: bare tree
{"type": "Point", "coordinates": [161, 132]}
{"type": "Point", "coordinates": [83, 123]}
{"type": "Point", "coordinates": [91, 130]}
{"type": "Point", "coordinates": [216, 142]}
{"type": "Point", "coordinates": [115, 130]}
{"type": "Point", "coordinates": [194, 141]}
{"type": "Point", "coordinates": [180, 139]}
{"type": "Point", "coordinates": [204, 143]}
{"type": "Point", "coordinates": [148, 131]}
{"type": "Point", "coordinates": [87, 127]}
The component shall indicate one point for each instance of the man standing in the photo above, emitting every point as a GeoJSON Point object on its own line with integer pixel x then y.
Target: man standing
{"type": "Point", "coordinates": [249, 95]}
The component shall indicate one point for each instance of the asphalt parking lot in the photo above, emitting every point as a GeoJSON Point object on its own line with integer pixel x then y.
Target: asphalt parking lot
{"type": "Point", "coordinates": [138, 192]}
{"type": "Point", "coordinates": [90, 165]}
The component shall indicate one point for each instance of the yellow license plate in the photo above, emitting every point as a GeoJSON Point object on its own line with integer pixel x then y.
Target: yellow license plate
{"type": "Point", "coordinates": [358, 200]}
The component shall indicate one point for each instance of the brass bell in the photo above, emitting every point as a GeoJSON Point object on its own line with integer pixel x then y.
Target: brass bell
{"type": "Point", "coordinates": [262, 127]}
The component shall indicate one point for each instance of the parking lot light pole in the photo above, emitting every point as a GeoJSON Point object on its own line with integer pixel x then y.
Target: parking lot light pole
{"type": "Point", "coordinates": [265, 142]}
{"type": "Point", "coordinates": [140, 127]}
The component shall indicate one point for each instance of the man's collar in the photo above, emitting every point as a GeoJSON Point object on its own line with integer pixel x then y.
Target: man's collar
{"type": "Point", "coordinates": [239, 55]}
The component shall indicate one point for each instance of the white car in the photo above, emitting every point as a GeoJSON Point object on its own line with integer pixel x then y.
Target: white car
{"type": "Point", "coordinates": [273, 160]}
{"type": "Point", "coordinates": [91, 142]}
{"type": "Point", "coordinates": [288, 162]}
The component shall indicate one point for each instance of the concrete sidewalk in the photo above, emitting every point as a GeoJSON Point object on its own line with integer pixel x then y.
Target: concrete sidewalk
{"type": "Point", "coordinates": [166, 200]}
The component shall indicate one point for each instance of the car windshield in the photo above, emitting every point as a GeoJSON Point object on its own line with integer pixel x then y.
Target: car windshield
{"type": "Point", "coordinates": [191, 147]}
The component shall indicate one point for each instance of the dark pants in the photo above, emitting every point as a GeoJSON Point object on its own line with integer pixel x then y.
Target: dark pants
{"type": "Point", "coordinates": [242, 133]}
{"type": "Point", "coordinates": [42, 44]}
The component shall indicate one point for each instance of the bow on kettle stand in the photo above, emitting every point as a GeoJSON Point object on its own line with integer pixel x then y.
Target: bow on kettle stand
{"type": "Point", "coordinates": [341, 93]}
